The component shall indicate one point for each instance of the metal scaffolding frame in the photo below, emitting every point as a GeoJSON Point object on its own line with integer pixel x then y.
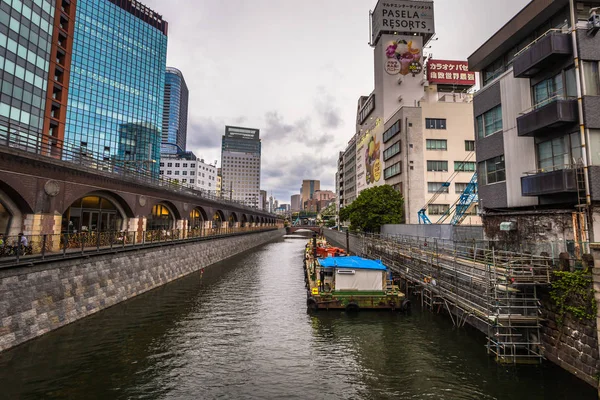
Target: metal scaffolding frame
{"type": "Point", "coordinates": [475, 282]}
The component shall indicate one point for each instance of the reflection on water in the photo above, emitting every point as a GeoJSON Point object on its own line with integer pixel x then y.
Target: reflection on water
{"type": "Point", "coordinates": [242, 331]}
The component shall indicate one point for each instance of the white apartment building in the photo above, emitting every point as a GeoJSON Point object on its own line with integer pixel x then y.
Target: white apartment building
{"type": "Point", "coordinates": [189, 171]}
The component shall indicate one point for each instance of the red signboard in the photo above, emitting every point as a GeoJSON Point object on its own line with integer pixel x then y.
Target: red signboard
{"type": "Point", "coordinates": [450, 72]}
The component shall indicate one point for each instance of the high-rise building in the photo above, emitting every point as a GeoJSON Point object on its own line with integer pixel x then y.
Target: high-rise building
{"type": "Point", "coordinates": [175, 113]}
{"type": "Point", "coordinates": [219, 182]}
{"type": "Point", "coordinates": [538, 126]}
{"type": "Point", "coordinates": [240, 165]}
{"type": "Point", "coordinates": [262, 204]}
{"type": "Point", "coordinates": [115, 81]}
{"type": "Point", "coordinates": [309, 187]}
{"type": "Point", "coordinates": [296, 203]}
{"type": "Point", "coordinates": [28, 66]}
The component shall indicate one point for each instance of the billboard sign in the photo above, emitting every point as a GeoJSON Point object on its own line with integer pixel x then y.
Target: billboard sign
{"type": "Point", "coordinates": [402, 16]}
{"type": "Point", "coordinates": [450, 73]}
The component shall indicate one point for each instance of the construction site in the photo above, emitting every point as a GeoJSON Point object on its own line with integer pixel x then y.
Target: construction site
{"type": "Point", "coordinates": [475, 283]}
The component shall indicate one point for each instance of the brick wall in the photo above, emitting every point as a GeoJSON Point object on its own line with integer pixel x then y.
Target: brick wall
{"type": "Point", "coordinates": [37, 300]}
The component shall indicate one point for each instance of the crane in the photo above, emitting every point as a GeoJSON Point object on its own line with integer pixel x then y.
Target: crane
{"type": "Point", "coordinates": [467, 200]}
{"type": "Point", "coordinates": [423, 219]}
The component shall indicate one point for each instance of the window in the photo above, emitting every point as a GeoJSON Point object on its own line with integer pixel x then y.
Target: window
{"type": "Point", "coordinates": [184, 165]}
{"type": "Point", "coordinates": [434, 187]}
{"type": "Point", "coordinates": [192, 166]}
{"type": "Point", "coordinates": [169, 172]}
{"type": "Point", "coordinates": [435, 123]}
{"type": "Point", "coordinates": [559, 153]}
{"type": "Point", "coordinates": [176, 172]}
{"type": "Point", "coordinates": [162, 172]}
{"type": "Point", "coordinates": [184, 173]}
{"type": "Point", "coordinates": [392, 131]}
{"type": "Point", "coordinates": [469, 145]}
{"type": "Point", "coordinates": [192, 172]}
{"type": "Point", "coordinates": [176, 165]}
{"type": "Point", "coordinates": [438, 209]}
{"type": "Point", "coordinates": [459, 187]}
{"type": "Point", "coordinates": [493, 71]}
{"type": "Point", "coordinates": [433, 144]}
{"type": "Point", "coordinates": [492, 170]}
{"type": "Point", "coordinates": [394, 170]}
{"type": "Point", "coordinates": [184, 181]}
{"type": "Point", "coordinates": [192, 181]}
{"type": "Point", "coordinates": [391, 151]}
{"type": "Point", "coordinates": [162, 164]}
{"type": "Point", "coordinates": [592, 81]}
{"type": "Point", "coordinates": [489, 122]}
{"type": "Point", "coordinates": [464, 166]}
{"type": "Point", "coordinates": [548, 91]}
{"type": "Point", "coordinates": [169, 165]}
{"type": "Point", "coordinates": [440, 166]}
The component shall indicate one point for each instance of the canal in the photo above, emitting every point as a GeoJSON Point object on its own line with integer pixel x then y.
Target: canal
{"type": "Point", "coordinates": [241, 331]}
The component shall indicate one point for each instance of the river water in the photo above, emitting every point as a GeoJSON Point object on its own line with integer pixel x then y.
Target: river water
{"type": "Point", "coordinates": [241, 331]}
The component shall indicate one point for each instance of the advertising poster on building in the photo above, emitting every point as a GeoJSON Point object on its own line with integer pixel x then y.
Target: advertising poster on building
{"type": "Point", "coordinates": [403, 74]}
{"type": "Point", "coordinates": [369, 153]}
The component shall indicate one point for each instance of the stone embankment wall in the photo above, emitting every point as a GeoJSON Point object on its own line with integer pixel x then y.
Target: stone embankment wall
{"type": "Point", "coordinates": [36, 300]}
{"type": "Point", "coordinates": [572, 344]}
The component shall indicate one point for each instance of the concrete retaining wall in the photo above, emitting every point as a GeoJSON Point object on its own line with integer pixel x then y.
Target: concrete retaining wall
{"type": "Point", "coordinates": [37, 300]}
{"type": "Point", "coordinates": [447, 232]}
{"type": "Point", "coordinates": [339, 239]}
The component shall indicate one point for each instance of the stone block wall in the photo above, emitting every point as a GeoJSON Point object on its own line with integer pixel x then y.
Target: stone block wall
{"type": "Point", "coordinates": [573, 345]}
{"type": "Point", "coordinates": [36, 300]}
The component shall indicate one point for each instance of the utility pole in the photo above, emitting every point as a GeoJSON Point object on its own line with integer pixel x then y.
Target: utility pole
{"type": "Point", "coordinates": [230, 190]}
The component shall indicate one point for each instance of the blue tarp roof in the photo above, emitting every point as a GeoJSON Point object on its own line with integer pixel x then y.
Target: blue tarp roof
{"type": "Point", "coordinates": [352, 262]}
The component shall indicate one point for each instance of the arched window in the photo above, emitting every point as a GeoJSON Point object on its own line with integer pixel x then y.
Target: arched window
{"type": "Point", "coordinates": [160, 219]}
{"type": "Point", "coordinates": [92, 214]}
{"type": "Point", "coordinates": [196, 221]}
{"type": "Point", "coordinates": [217, 220]}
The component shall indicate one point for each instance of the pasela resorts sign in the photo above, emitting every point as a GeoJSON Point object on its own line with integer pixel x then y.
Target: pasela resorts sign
{"type": "Point", "coordinates": [401, 16]}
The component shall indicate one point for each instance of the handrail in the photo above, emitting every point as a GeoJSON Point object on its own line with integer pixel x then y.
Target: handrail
{"type": "Point", "coordinates": [524, 49]}
{"type": "Point", "coordinates": [549, 100]}
{"type": "Point", "coordinates": [554, 168]}
{"type": "Point", "coordinates": [28, 250]}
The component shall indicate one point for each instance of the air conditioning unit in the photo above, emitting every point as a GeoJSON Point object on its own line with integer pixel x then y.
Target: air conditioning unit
{"type": "Point", "coordinates": [400, 99]}
{"type": "Point", "coordinates": [400, 80]}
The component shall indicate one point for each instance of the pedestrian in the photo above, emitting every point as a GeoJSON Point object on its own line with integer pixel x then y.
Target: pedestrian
{"type": "Point", "coordinates": [322, 279]}
{"type": "Point", "coordinates": [1, 239]}
{"type": "Point", "coordinates": [23, 240]}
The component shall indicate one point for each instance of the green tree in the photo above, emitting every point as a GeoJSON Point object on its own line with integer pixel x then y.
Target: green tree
{"type": "Point", "coordinates": [374, 207]}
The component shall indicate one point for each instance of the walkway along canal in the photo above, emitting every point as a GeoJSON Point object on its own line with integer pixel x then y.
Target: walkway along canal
{"type": "Point", "coordinates": [241, 330]}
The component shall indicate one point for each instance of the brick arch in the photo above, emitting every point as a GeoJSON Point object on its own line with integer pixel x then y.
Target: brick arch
{"type": "Point", "coordinates": [12, 199]}
{"type": "Point", "coordinates": [203, 212]}
{"type": "Point", "coordinates": [233, 215]}
{"type": "Point", "coordinates": [120, 203]}
{"type": "Point", "coordinates": [173, 209]}
{"type": "Point", "coordinates": [244, 219]}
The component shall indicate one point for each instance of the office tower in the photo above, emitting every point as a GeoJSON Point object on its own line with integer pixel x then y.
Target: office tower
{"type": "Point", "coordinates": [116, 82]}
{"type": "Point", "coordinates": [240, 165]}
{"type": "Point", "coordinates": [175, 113]}
{"type": "Point", "coordinates": [308, 189]}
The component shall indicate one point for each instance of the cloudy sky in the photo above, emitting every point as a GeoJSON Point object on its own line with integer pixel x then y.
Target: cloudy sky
{"type": "Point", "coordinates": [295, 70]}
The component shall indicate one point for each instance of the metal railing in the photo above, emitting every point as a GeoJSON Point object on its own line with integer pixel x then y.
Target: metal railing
{"type": "Point", "coordinates": [24, 250]}
{"type": "Point", "coordinates": [124, 169]}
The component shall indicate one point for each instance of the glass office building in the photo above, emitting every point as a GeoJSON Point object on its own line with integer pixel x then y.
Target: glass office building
{"type": "Point", "coordinates": [26, 28]}
{"type": "Point", "coordinates": [116, 84]}
{"type": "Point", "coordinates": [175, 113]}
{"type": "Point", "coordinates": [240, 165]}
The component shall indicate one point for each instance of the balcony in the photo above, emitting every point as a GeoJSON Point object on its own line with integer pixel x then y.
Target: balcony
{"type": "Point", "coordinates": [547, 183]}
{"type": "Point", "coordinates": [542, 53]}
{"type": "Point", "coordinates": [548, 118]}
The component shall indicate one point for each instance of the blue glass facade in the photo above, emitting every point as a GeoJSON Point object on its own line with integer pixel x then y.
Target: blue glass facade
{"type": "Point", "coordinates": [116, 85]}
{"type": "Point", "coordinates": [25, 42]}
{"type": "Point", "coordinates": [175, 113]}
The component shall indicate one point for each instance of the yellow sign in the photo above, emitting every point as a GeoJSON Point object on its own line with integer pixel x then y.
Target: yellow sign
{"type": "Point", "coordinates": [377, 170]}
{"type": "Point", "coordinates": [315, 290]}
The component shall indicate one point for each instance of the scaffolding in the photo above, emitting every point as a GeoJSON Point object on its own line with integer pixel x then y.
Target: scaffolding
{"type": "Point", "coordinates": [494, 290]}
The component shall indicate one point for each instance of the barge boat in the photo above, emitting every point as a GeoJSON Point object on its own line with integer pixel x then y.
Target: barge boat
{"type": "Point", "coordinates": [335, 280]}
